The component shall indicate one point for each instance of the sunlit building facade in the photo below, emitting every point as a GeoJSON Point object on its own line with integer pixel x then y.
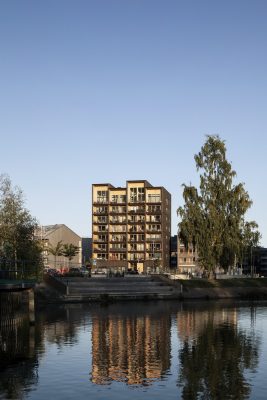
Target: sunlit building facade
{"type": "Point", "coordinates": [131, 226]}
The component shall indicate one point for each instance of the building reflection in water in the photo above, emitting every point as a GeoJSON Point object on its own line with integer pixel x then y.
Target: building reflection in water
{"type": "Point", "coordinates": [215, 355]}
{"type": "Point", "coordinates": [130, 348]}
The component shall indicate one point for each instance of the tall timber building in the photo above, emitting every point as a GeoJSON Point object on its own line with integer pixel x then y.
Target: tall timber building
{"type": "Point", "coordinates": [131, 226]}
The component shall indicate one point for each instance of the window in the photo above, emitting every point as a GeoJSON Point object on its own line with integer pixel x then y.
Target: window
{"type": "Point", "coordinates": [137, 194]}
{"type": "Point", "coordinates": [102, 196]}
{"type": "Point", "coordinates": [102, 238]}
{"type": "Point", "coordinates": [101, 256]}
{"type": "Point", "coordinates": [154, 227]}
{"type": "Point", "coordinates": [103, 228]}
{"type": "Point", "coordinates": [154, 198]}
{"type": "Point", "coordinates": [154, 209]}
{"type": "Point", "coordinates": [114, 198]}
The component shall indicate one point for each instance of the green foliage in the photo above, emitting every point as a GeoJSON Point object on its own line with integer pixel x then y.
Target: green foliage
{"type": "Point", "coordinates": [212, 217]}
{"type": "Point", "coordinates": [56, 251]}
{"type": "Point", "coordinates": [70, 251]}
{"type": "Point", "coordinates": [18, 246]}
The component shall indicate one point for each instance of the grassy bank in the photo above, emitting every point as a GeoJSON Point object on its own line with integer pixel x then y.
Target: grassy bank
{"type": "Point", "coordinates": [225, 283]}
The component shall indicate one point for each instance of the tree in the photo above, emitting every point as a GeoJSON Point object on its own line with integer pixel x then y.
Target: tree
{"type": "Point", "coordinates": [70, 251]}
{"type": "Point", "coordinates": [56, 251]}
{"type": "Point", "coordinates": [19, 249]}
{"type": "Point", "coordinates": [251, 238]}
{"type": "Point", "coordinates": [212, 218]}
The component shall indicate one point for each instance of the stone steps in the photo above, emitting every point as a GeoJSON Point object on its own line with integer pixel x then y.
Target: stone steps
{"type": "Point", "coordinates": [100, 288]}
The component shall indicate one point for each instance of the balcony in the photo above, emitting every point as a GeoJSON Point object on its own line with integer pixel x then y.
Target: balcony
{"type": "Point", "coordinates": [117, 250]}
{"type": "Point", "coordinates": [96, 213]}
{"type": "Point", "coordinates": [101, 200]}
{"type": "Point", "coordinates": [152, 230]}
{"type": "Point", "coordinates": [136, 200]}
{"type": "Point", "coordinates": [96, 232]}
{"type": "Point", "coordinates": [100, 222]}
{"type": "Point", "coordinates": [154, 212]}
{"type": "Point", "coordinates": [136, 259]}
{"type": "Point", "coordinates": [97, 250]}
{"type": "Point", "coordinates": [118, 202]}
{"type": "Point", "coordinates": [138, 211]}
{"type": "Point", "coordinates": [135, 251]}
{"type": "Point", "coordinates": [118, 211]}
{"type": "Point", "coordinates": [117, 231]}
{"type": "Point", "coordinates": [118, 238]}
{"type": "Point", "coordinates": [153, 221]}
{"type": "Point", "coordinates": [136, 240]}
{"type": "Point", "coordinates": [100, 241]}
{"type": "Point", "coordinates": [117, 222]}
{"type": "Point", "coordinates": [140, 222]}
{"type": "Point", "coordinates": [151, 250]}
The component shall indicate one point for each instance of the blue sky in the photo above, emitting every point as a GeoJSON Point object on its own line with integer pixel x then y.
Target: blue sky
{"type": "Point", "coordinates": [110, 90]}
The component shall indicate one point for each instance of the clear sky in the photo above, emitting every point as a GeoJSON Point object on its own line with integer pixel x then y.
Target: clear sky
{"type": "Point", "coordinates": [110, 90]}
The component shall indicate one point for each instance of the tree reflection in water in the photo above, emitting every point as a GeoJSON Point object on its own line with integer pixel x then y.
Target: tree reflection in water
{"type": "Point", "coordinates": [213, 365]}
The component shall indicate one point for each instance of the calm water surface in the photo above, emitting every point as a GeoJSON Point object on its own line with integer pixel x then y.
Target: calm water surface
{"type": "Point", "coordinates": [156, 350]}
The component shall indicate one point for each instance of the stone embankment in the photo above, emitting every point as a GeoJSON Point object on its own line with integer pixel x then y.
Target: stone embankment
{"type": "Point", "coordinates": [107, 289]}
{"type": "Point", "coordinates": [155, 287]}
{"type": "Point", "coordinates": [243, 288]}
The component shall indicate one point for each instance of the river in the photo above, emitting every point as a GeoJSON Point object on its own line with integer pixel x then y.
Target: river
{"type": "Point", "coordinates": [136, 350]}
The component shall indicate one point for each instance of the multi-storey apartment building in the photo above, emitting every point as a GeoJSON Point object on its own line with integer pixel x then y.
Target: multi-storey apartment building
{"type": "Point", "coordinates": [131, 226]}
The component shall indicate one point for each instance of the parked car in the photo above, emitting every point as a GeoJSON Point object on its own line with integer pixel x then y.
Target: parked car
{"type": "Point", "coordinates": [74, 271]}
{"type": "Point", "coordinates": [52, 271]}
{"type": "Point", "coordinates": [85, 271]}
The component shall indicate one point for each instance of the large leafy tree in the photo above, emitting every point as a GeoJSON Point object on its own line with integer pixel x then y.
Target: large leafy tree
{"type": "Point", "coordinates": [213, 216]}
{"type": "Point", "coordinates": [19, 248]}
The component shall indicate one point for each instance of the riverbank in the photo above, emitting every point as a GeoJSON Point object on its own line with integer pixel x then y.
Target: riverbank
{"type": "Point", "coordinates": [236, 288]}
{"type": "Point", "coordinates": [105, 290]}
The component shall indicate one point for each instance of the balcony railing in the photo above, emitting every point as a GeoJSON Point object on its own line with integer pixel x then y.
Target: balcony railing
{"type": "Point", "coordinates": [151, 250]}
{"type": "Point", "coordinates": [117, 250]}
{"type": "Point", "coordinates": [153, 221]}
{"type": "Point", "coordinates": [100, 222]}
{"type": "Point", "coordinates": [154, 212]}
{"type": "Point", "coordinates": [118, 211]}
{"type": "Point", "coordinates": [100, 212]}
{"type": "Point", "coordinates": [98, 250]}
{"type": "Point", "coordinates": [135, 250]}
{"type": "Point", "coordinates": [138, 211]}
{"type": "Point", "coordinates": [131, 222]}
{"type": "Point", "coordinates": [101, 200]}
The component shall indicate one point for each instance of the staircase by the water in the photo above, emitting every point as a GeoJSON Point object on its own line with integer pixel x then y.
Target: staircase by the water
{"type": "Point", "coordinates": [128, 287]}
